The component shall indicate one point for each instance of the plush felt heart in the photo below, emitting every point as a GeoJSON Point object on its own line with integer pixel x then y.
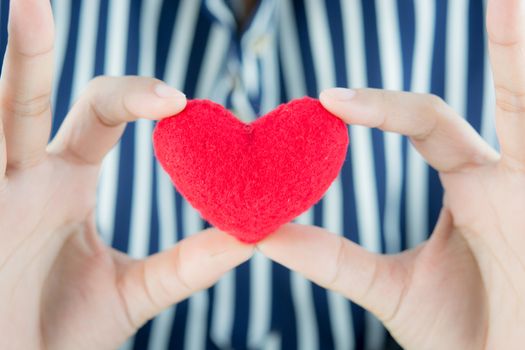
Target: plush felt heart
{"type": "Point", "coordinates": [249, 179]}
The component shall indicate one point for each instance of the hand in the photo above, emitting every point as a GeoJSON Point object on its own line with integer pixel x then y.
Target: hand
{"type": "Point", "coordinates": [465, 287]}
{"type": "Point", "coordinates": [60, 287]}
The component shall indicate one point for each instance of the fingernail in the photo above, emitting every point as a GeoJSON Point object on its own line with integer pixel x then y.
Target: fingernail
{"type": "Point", "coordinates": [339, 94]}
{"type": "Point", "coordinates": [165, 91]}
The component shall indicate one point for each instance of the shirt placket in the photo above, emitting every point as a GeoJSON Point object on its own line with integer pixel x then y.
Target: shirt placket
{"type": "Point", "coordinates": [243, 68]}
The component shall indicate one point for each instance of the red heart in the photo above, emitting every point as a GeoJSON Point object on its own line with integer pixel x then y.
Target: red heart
{"type": "Point", "coordinates": [249, 179]}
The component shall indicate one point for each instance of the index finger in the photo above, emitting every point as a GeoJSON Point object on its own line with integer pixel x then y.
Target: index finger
{"type": "Point", "coordinates": [26, 82]}
{"type": "Point", "coordinates": [506, 31]}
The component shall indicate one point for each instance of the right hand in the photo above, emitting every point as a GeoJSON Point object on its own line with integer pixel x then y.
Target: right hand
{"type": "Point", "coordinates": [60, 286]}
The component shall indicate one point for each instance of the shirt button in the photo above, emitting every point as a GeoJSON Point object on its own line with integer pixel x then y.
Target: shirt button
{"type": "Point", "coordinates": [261, 44]}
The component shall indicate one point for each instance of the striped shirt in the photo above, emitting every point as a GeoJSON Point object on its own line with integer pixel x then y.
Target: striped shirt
{"type": "Point", "coordinates": [385, 198]}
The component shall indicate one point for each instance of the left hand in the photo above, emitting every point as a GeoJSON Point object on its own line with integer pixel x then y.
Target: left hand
{"type": "Point", "coordinates": [465, 287]}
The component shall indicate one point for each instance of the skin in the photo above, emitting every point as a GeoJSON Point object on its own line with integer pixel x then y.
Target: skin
{"type": "Point", "coordinates": [465, 287]}
{"type": "Point", "coordinates": [62, 288]}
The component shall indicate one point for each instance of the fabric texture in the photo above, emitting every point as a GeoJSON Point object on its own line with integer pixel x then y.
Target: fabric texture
{"type": "Point", "coordinates": [249, 179]}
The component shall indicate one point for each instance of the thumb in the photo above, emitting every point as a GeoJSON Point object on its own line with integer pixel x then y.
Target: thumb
{"type": "Point", "coordinates": [373, 281]}
{"type": "Point", "coordinates": [149, 286]}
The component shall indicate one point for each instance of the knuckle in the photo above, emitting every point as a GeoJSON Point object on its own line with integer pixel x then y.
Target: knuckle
{"type": "Point", "coordinates": [335, 277]}
{"type": "Point", "coordinates": [178, 272]}
{"type": "Point", "coordinates": [435, 103]}
{"type": "Point", "coordinates": [98, 82]}
{"type": "Point", "coordinates": [30, 107]}
{"type": "Point", "coordinates": [32, 54]}
{"type": "Point", "coordinates": [149, 290]}
{"type": "Point", "coordinates": [511, 102]}
{"type": "Point", "coordinates": [433, 108]}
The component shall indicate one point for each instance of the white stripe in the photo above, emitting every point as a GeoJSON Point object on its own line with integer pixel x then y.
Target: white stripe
{"type": "Point", "coordinates": [260, 300]}
{"type": "Point", "coordinates": [291, 57]}
{"type": "Point", "coordinates": [181, 40]}
{"type": "Point", "coordinates": [224, 296]}
{"type": "Point", "coordinates": [300, 287]}
{"type": "Point", "coordinates": [140, 221]}
{"type": "Point", "coordinates": [107, 195]}
{"type": "Point", "coordinates": [222, 12]}
{"type": "Point", "coordinates": [271, 84]}
{"type": "Point", "coordinates": [62, 17]}
{"type": "Point", "coordinates": [361, 150]}
{"type": "Point", "coordinates": [261, 272]}
{"type": "Point", "coordinates": [176, 66]}
{"type": "Point", "coordinates": [303, 298]}
{"type": "Point", "coordinates": [162, 325]}
{"type": "Point", "coordinates": [117, 37]}
{"type": "Point", "coordinates": [249, 73]}
{"type": "Point", "coordinates": [257, 32]}
{"type": "Point", "coordinates": [117, 34]}
{"type": "Point", "coordinates": [161, 329]}
{"type": "Point", "coordinates": [193, 223]}
{"type": "Point", "coordinates": [216, 51]}
{"type": "Point", "coordinates": [115, 59]}
{"type": "Point", "coordinates": [392, 68]}
{"type": "Point", "coordinates": [195, 337]}
{"type": "Point", "coordinates": [223, 311]}
{"type": "Point", "coordinates": [488, 121]}
{"type": "Point", "coordinates": [85, 53]}
{"type": "Point", "coordinates": [140, 225]}
{"type": "Point", "coordinates": [242, 107]}
{"type": "Point", "coordinates": [322, 54]}
{"type": "Point", "coordinates": [272, 342]}
{"type": "Point", "coordinates": [417, 169]}
{"type": "Point", "coordinates": [456, 55]}
{"type": "Point", "coordinates": [339, 306]}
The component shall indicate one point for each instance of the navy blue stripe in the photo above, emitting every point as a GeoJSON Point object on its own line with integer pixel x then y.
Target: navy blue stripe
{"type": "Point", "coordinates": [324, 323]}
{"type": "Point", "coordinates": [282, 309]}
{"type": "Point", "coordinates": [178, 329]}
{"type": "Point", "coordinates": [284, 95]}
{"type": "Point", "coordinates": [351, 232]}
{"type": "Point", "coordinates": [4, 19]}
{"type": "Point", "coordinates": [142, 337]}
{"type": "Point", "coordinates": [154, 243]}
{"type": "Point", "coordinates": [179, 326]}
{"type": "Point", "coordinates": [132, 57]}
{"type": "Point", "coordinates": [404, 186]}
{"type": "Point", "coordinates": [335, 21]}
{"type": "Point", "coordinates": [100, 50]}
{"type": "Point", "coordinates": [306, 50]}
{"type": "Point", "coordinates": [127, 161]}
{"type": "Point", "coordinates": [68, 69]}
{"type": "Point", "coordinates": [350, 225]}
{"type": "Point", "coordinates": [373, 60]}
{"type": "Point", "coordinates": [407, 27]}
{"type": "Point", "coordinates": [200, 42]}
{"type": "Point", "coordinates": [242, 306]}
{"type": "Point", "coordinates": [210, 345]}
{"type": "Point", "coordinates": [124, 190]}
{"type": "Point", "coordinates": [375, 80]}
{"type": "Point", "coordinates": [168, 14]}
{"type": "Point", "coordinates": [320, 295]}
{"type": "Point", "coordinates": [476, 62]}
{"type": "Point", "coordinates": [437, 87]}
